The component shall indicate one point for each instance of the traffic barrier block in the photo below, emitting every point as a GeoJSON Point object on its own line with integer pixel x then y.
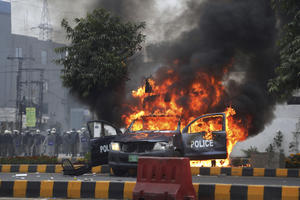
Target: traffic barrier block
{"type": "Point", "coordinates": [101, 190]}
{"type": "Point", "coordinates": [215, 171]}
{"type": "Point", "coordinates": [258, 171]}
{"type": "Point", "coordinates": [23, 168]}
{"type": "Point", "coordinates": [290, 193]}
{"type": "Point", "coordinates": [96, 169]}
{"type": "Point", "coordinates": [46, 190]}
{"type": "Point", "coordinates": [164, 178]}
{"type": "Point", "coordinates": [255, 192]}
{"type": "Point", "coordinates": [128, 190]}
{"type": "Point", "coordinates": [58, 168]}
{"type": "Point", "coordinates": [5, 168]}
{"type": "Point", "coordinates": [281, 172]}
{"type": "Point", "coordinates": [238, 192]}
{"type": "Point", "coordinates": [236, 171]}
{"type": "Point", "coordinates": [124, 190]}
{"type": "Point", "coordinates": [41, 168]}
{"type": "Point", "coordinates": [195, 171]}
{"type": "Point", "coordinates": [196, 188]}
{"type": "Point", "coordinates": [20, 188]}
{"type": "Point", "coordinates": [74, 188]}
{"type": "Point", "coordinates": [222, 191]}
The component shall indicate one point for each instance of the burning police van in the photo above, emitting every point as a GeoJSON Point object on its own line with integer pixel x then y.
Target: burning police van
{"type": "Point", "coordinates": [157, 135]}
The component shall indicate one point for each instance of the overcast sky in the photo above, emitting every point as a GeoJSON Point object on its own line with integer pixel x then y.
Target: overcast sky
{"type": "Point", "coordinates": [26, 16]}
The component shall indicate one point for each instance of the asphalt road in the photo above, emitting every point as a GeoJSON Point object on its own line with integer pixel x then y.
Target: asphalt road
{"type": "Point", "coordinates": [243, 180]}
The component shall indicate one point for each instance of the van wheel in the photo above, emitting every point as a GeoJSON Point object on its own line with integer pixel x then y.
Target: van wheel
{"type": "Point", "coordinates": [119, 172]}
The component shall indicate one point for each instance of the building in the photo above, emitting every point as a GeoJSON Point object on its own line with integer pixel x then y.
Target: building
{"type": "Point", "coordinates": [39, 86]}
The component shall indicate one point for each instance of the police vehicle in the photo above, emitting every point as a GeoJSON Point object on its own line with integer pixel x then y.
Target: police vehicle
{"type": "Point", "coordinates": [203, 138]}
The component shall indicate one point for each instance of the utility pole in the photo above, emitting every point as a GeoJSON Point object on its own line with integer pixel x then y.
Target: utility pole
{"type": "Point", "coordinates": [40, 85]}
{"type": "Point", "coordinates": [19, 114]}
{"type": "Point", "coordinates": [41, 99]}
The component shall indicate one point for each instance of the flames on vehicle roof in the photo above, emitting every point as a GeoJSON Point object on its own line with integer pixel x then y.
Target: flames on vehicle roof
{"type": "Point", "coordinates": [155, 123]}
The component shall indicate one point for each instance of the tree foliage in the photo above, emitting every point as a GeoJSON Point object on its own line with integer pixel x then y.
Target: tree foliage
{"type": "Point", "coordinates": [96, 59]}
{"type": "Point", "coordinates": [250, 150]}
{"type": "Point", "coordinates": [288, 72]}
{"type": "Point", "coordinates": [276, 146]}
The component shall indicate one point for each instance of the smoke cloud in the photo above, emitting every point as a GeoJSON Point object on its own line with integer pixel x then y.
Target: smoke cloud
{"type": "Point", "coordinates": [235, 33]}
{"type": "Point", "coordinates": [203, 36]}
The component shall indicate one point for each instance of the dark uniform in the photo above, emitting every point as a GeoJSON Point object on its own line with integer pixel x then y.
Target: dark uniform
{"type": "Point", "coordinates": [49, 144]}
{"type": "Point", "coordinates": [7, 144]}
{"type": "Point", "coordinates": [58, 142]}
{"type": "Point", "coordinates": [28, 143]}
{"type": "Point", "coordinates": [38, 140]}
{"type": "Point", "coordinates": [17, 140]}
{"type": "Point", "coordinates": [1, 144]}
{"type": "Point", "coordinates": [74, 140]}
{"type": "Point", "coordinates": [84, 141]}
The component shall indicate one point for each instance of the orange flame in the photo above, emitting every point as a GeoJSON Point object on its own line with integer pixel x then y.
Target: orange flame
{"type": "Point", "coordinates": [203, 94]}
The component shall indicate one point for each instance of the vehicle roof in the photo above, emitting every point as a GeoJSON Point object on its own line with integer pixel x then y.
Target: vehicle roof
{"type": "Point", "coordinates": [145, 116]}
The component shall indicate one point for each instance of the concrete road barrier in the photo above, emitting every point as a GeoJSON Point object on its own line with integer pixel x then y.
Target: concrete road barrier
{"type": "Point", "coordinates": [45, 168]}
{"type": "Point", "coordinates": [245, 171]}
{"type": "Point", "coordinates": [124, 190]}
{"type": "Point", "coordinates": [207, 171]}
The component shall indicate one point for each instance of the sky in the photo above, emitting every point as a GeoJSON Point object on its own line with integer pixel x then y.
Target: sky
{"type": "Point", "coordinates": [26, 16]}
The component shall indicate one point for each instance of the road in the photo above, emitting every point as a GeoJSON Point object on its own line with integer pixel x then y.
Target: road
{"type": "Point", "coordinates": [244, 180]}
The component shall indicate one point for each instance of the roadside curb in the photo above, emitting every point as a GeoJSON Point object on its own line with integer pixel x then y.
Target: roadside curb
{"type": "Point", "coordinates": [124, 190]}
{"type": "Point", "coordinates": [45, 168]}
{"type": "Point", "coordinates": [245, 171]}
{"type": "Point", "coordinates": [205, 171]}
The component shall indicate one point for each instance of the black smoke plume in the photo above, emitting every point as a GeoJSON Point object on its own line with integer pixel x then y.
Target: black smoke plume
{"type": "Point", "coordinates": [236, 33]}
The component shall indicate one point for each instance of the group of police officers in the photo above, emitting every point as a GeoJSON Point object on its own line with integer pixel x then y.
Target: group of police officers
{"type": "Point", "coordinates": [49, 143]}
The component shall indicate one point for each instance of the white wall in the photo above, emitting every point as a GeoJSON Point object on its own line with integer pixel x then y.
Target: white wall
{"type": "Point", "coordinates": [286, 117]}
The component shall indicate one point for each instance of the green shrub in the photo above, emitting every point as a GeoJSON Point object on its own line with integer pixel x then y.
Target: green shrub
{"type": "Point", "coordinates": [29, 160]}
{"type": "Point", "coordinates": [293, 161]}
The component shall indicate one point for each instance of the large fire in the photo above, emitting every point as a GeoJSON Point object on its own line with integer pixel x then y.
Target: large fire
{"type": "Point", "coordinates": [202, 95]}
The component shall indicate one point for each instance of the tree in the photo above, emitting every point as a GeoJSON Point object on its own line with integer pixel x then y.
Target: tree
{"type": "Point", "coordinates": [277, 141]}
{"type": "Point", "coordinates": [250, 150]}
{"type": "Point", "coordinates": [96, 59]}
{"type": "Point", "coordinates": [100, 47]}
{"type": "Point", "coordinates": [270, 148]}
{"type": "Point", "coordinates": [287, 78]}
{"type": "Point", "coordinates": [276, 146]}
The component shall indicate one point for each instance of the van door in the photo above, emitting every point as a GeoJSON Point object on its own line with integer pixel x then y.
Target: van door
{"type": "Point", "coordinates": [101, 133]}
{"type": "Point", "coordinates": [205, 137]}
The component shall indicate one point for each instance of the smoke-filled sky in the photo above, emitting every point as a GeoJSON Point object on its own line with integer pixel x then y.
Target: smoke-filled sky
{"type": "Point", "coordinates": [158, 15]}
{"type": "Point", "coordinates": [204, 35]}
{"type": "Point", "coordinates": [241, 33]}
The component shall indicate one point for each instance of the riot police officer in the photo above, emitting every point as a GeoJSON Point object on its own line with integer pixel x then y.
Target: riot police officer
{"type": "Point", "coordinates": [17, 140]}
{"type": "Point", "coordinates": [74, 139]}
{"type": "Point", "coordinates": [58, 141]}
{"type": "Point", "coordinates": [84, 141]}
{"type": "Point", "coordinates": [66, 141]}
{"type": "Point", "coordinates": [28, 143]}
{"type": "Point", "coordinates": [1, 144]}
{"type": "Point", "coordinates": [49, 144]}
{"type": "Point", "coordinates": [38, 140]}
{"type": "Point", "coordinates": [7, 143]}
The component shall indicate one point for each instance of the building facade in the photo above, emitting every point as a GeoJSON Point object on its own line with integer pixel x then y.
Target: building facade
{"type": "Point", "coordinates": [39, 85]}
